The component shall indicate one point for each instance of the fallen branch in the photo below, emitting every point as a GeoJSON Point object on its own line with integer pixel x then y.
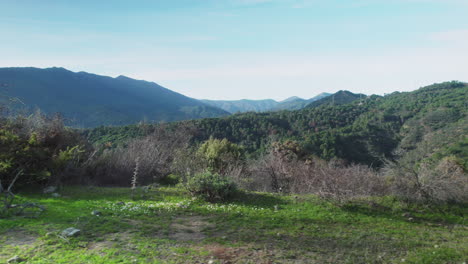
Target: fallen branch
{"type": "Point", "coordinates": [9, 197]}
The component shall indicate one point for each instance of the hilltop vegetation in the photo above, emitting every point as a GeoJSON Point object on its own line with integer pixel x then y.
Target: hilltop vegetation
{"type": "Point", "coordinates": [369, 130]}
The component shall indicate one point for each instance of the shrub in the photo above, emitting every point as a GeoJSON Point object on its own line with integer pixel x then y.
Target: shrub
{"type": "Point", "coordinates": [331, 180]}
{"type": "Point", "coordinates": [41, 147]}
{"type": "Point", "coordinates": [220, 154]}
{"type": "Point", "coordinates": [444, 183]}
{"type": "Point", "coordinates": [171, 179]}
{"type": "Point", "coordinates": [210, 186]}
{"type": "Point", "coordinates": [157, 153]}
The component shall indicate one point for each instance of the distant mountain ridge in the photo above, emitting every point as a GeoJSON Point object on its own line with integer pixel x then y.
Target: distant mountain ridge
{"type": "Point", "coordinates": [297, 103]}
{"type": "Point", "coordinates": [338, 98]}
{"type": "Point", "coordinates": [245, 105]}
{"type": "Point", "coordinates": [88, 100]}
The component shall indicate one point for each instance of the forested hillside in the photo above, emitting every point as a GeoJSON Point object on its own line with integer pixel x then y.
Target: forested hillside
{"type": "Point", "coordinates": [89, 100]}
{"type": "Point", "coordinates": [368, 131]}
{"type": "Point", "coordinates": [338, 98]}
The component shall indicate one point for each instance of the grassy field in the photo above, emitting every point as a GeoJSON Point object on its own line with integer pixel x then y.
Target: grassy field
{"type": "Point", "coordinates": [168, 226]}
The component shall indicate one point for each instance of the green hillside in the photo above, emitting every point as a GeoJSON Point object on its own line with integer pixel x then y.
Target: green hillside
{"type": "Point", "coordinates": [338, 98]}
{"type": "Point", "coordinates": [368, 131]}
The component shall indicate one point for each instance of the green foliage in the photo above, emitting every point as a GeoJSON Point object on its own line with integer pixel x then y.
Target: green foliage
{"type": "Point", "coordinates": [365, 130]}
{"type": "Point", "coordinates": [69, 155]}
{"type": "Point", "coordinates": [220, 153]}
{"type": "Point", "coordinates": [40, 151]}
{"type": "Point", "coordinates": [211, 187]}
{"type": "Point", "coordinates": [18, 152]}
{"type": "Point", "coordinates": [339, 98]}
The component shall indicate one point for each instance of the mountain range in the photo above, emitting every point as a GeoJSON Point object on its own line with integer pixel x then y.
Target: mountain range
{"type": "Point", "coordinates": [338, 98]}
{"type": "Point", "coordinates": [90, 100]}
{"type": "Point", "coordinates": [245, 105]}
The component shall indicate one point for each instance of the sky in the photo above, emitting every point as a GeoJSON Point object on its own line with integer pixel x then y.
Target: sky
{"type": "Point", "coordinates": [253, 49]}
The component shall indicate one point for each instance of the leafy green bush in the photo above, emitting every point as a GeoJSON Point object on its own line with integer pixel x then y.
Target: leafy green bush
{"type": "Point", "coordinates": [220, 154]}
{"type": "Point", "coordinates": [210, 186]}
{"type": "Point", "coordinates": [25, 153]}
{"type": "Point", "coordinates": [41, 147]}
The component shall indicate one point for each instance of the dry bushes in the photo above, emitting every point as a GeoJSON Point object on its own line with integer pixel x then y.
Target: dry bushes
{"type": "Point", "coordinates": [447, 182]}
{"type": "Point", "coordinates": [155, 154]}
{"type": "Point", "coordinates": [329, 180]}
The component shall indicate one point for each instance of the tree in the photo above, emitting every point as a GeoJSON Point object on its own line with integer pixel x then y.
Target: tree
{"type": "Point", "coordinates": [220, 153]}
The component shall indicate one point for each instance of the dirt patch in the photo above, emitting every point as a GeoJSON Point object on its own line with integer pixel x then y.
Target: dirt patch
{"type": "Point", "coordinates": [110, 241]}
{"type": "Point", "coordinates": [189, 228]}
{"type": "Point", "coordinates": [100, 246]}
{"type": "Point", "coordinates": [19, 238]}
{"type": "Point", "coordinates": [227, 255]}
{"type": "Point", "coordinates": [134, 222]}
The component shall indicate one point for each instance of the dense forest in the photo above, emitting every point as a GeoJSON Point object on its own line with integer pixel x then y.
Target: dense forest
{"type": "Point", "coordinates": [370, 130]}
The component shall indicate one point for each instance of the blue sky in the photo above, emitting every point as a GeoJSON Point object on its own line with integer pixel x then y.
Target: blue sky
{"type": "Point", "coordinates": [234, 49]}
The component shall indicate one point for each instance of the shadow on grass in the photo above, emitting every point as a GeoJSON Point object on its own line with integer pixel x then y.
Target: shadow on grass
{"type": "Point", "coordinates": [257, 199]}
{"type": "Point", "coordinates": [112, 194]}
{"type": "Point", "coordinates": [331, 246]}
{"type": "Point", "coordinates": [416, 213]}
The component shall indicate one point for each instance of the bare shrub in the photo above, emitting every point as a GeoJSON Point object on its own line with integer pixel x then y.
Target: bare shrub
{"type": "Point", "coordinates": [447, 182]}
{"type": "Point", "coordinates": [187, 163]}
{"type": "Point", "coordinates": [49, 131]}
{"type": "Point", "coordinates": [156, 153]}
{"type": "Point", "coordinates": [7, 197]}
{"type": "Point", "coordinates": [270, 173]}
{"type": "Point", "coordinates": [342, 183]}
{"type": "Point", "coordinates": [284, 172]}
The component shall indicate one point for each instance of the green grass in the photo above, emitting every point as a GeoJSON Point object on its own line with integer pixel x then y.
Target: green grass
{"type": "Point", "coordinates": [168, 226]}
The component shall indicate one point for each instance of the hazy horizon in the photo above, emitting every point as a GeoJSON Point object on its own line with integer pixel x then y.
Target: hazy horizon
{"type": "Point", "coordinates": [245, 49]}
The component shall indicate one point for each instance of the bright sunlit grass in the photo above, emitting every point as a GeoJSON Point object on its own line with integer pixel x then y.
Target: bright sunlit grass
{"type": "Point", "coordinates": [168, 226]}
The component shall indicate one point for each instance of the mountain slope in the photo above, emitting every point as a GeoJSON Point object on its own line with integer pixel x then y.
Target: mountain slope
{"type": "Point", "coordinates": [89, 100]}
{"type": "Point", "coordinates": [425, 125]}
{"type": "Point", "coordinates": [243, 105]}
{"type": "Point", "coordinates": [338, 98]}
{"type": "Point", "coordinates": [296, 103]}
